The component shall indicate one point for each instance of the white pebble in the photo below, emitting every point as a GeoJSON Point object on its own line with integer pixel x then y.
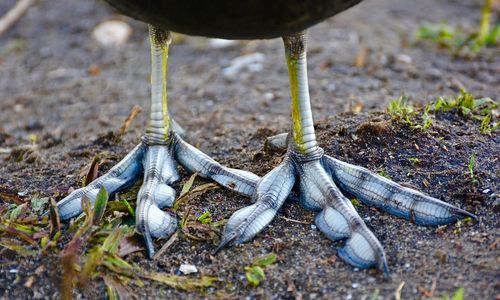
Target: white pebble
{"type": "Point", "coordinates": [112, 33]}
{"type": "Point", "coordinates": [269, 96]}
{"type": "Point", "coordinates": [188, 269]}
{"type": "Point", "coordinates": [252, 62]}
{"type": "Point", "coordinates": [403, 58]}
{"type": "Point", "coordinates": [18, 108]}
{"type": "Point", "coordinates": [355, 285]}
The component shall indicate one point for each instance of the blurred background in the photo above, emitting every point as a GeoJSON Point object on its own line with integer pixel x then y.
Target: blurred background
{"type": "Point", "coordinates": [60, 69]}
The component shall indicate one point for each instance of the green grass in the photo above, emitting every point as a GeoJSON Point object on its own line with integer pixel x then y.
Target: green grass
{"type": "Point", "coordinates": [458, 295]}
{"type": "Point", "coordinates": [97, 250]}
{"type": "Point", "coordinates": [100, 240]}
{"type": "Point", "coordinates": [471, 166]}
{"type": "Point", "coordinates": [254, 273]}
{"type": "Point", "coordinates": [479, 109]}
{"type": "Point", "coordinates": [457, 40]}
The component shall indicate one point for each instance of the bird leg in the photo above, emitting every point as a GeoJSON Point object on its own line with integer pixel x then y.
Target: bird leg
{"type": "Point", "coordinates": [156, 157]}
{"type": "Point", "coordinates": [318, 177]}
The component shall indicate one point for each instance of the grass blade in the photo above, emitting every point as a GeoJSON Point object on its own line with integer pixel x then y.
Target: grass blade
{"type": "Point", "coordinates": [100, 205]}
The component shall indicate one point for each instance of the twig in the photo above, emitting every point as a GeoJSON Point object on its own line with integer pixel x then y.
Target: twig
{"type": "Point", "coordinates": [14, 14]}
{"type": "Point", "coordinates": [295, 221]}
{"type": "Point", "coordinates": [167, 245]}
{"type": "Point", "coordinates": [131, 116]}
{"type": "Point", "coordinates": [397, 293]}
{"type": "Point", "coordinates": [433, 286]}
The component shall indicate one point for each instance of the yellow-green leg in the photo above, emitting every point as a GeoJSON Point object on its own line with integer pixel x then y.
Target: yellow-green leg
{"type": "Point", "coordinates": [303, 136]}
{"type": "Point", "coordinates": [159, 123]}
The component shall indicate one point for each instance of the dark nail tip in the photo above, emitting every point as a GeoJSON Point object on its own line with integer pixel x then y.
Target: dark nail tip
{"type": "Point", "coordinates": [385, 270]}
{"type": "Point", "coordinates": [220, 247]}
{"type": "Point", "coordinates": [149, 245]}
{"type": "Point", "coordinates": [465, 214]}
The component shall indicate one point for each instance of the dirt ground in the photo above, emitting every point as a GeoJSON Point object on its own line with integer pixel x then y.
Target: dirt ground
{"type": "Point", "coordinates": [48, 95]}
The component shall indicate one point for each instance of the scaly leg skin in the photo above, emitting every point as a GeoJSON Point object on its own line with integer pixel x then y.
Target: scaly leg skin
{"type": "Point", "coordinates": [318, 177]}
{"type": "Point", "coordinates": [156, 157]}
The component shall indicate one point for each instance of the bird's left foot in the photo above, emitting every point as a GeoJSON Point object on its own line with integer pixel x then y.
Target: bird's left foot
{"type": "Point", "coordinates": [318, 178]}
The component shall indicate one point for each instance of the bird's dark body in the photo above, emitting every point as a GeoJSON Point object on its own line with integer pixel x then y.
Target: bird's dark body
{"type": "Point", "coordinates": [233, 19]}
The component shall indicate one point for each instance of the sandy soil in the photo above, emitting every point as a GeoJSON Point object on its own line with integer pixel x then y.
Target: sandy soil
{"type": "Point", "coordinates": [47, 91]}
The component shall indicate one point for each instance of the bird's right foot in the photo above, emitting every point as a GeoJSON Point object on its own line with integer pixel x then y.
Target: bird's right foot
{"type": "Point", "coordinates": [158, 163]}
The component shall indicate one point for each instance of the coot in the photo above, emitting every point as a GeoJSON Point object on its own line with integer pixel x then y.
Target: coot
{"type": "Point", "coordinates": [316, 176]}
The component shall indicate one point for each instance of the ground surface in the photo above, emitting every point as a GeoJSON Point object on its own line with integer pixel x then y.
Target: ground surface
{"type": "Point", "coordinates": [46, 90]}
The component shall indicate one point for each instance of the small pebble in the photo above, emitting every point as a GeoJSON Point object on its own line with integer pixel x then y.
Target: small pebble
{"type": "Point", "coordinates": [313, 227]}
{"type": "Point", "coordinates": [486, 191]}
{"type": "Point", "coordinates": [332, 87]}
{"type": "Point", "coordinates": [349, 296]}
{"type": "Point", "coordinates": [18, 108]}
{"type": "Point", "coordinates": [252, 62]}
{"type": "Point", "coordinates": [112, 33]}
{"type": "Point", "coordinates": [355, 285]}
{"type": "Point", "coordinates": [187, 269]}
{"type": "Point", "coordinates": [407, 265]}
{"type": "Point", "coordinates": [22, 193]}
{"type": "Point", "coordinates": [269, 96]}
{"type": "Point", "coordinates": [434, 73]}
{"type": "Point", "coordinates": [403, 58]}
{"type": "Point", "coordinates": [13, 271]}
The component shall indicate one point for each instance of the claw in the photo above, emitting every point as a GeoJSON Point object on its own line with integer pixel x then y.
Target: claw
{"type": "Point", "coordinates": [153, 222]}
{"type": "Point", "coordinates": [194, 160]}
{"type": "Point", "coordinates": [155, 193]}
{"type": "Point", "coordinates": [245, 223]}
{"type": "Point", "coordinates": [272, 192]}
{"type": "Point", "coordinates": [120, 177]}
{"type": "Point", "coordinates": [363, 250]}
{"type": "Point", "coordinates": [378, 191]}
{"type": "Point", "coordinates": [338, 219]}
{"type": "Point", "coordinates": [332, 224]}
